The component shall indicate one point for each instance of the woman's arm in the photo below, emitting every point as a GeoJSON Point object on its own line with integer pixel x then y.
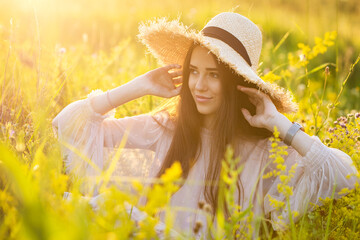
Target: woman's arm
{"type": "Point", "coordinates": [301, 141]}
{"type": "Point", "coordinates": [84, 131]}
{"type": "Point", "coordinates": [320, 171]}
{"type": "Point", "coordinates": [158, 82]}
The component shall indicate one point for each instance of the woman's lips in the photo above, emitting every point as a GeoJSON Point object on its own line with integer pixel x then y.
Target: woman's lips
{"type": "Point", "coordinates": [202, 99]}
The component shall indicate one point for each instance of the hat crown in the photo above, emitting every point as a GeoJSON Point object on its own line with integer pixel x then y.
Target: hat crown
{"type": "Point", "coordinates": [244, 30]}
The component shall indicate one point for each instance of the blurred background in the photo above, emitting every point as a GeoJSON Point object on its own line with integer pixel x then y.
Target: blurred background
{"type": "Point", "coordinates": [56, 51]}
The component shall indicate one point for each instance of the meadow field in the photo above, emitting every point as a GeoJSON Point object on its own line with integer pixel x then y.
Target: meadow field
{"type": "Point", "coordinates": [54, 52]}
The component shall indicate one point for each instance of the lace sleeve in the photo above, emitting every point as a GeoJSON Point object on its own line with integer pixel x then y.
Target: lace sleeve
{"type": "Point", "coordinates": [316, 175]}
{"type": "Point", "coordinates": [83, 134]}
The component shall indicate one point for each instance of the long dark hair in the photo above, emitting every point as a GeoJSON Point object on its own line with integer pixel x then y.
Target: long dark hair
{"type": "Point", "coordinates": [229, 125]}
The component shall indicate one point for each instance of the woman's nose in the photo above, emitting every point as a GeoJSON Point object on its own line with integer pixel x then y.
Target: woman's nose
{"type": "Point", "coordinates": [201, 84]}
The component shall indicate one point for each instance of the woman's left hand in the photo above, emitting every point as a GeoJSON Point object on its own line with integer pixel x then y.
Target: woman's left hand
{"type": "Point", "coordinates": [266, 112]}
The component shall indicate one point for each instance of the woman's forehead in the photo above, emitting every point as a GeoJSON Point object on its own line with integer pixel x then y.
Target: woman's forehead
{"type": "Point", "coordinates": [202, 58]}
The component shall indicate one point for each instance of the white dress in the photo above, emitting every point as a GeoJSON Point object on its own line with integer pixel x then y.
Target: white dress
{"type": "Point", "coordinates": [147, 143]}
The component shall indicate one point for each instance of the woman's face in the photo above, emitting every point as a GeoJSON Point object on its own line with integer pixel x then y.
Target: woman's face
{"type": "Point", "coordinates": [204, 81]}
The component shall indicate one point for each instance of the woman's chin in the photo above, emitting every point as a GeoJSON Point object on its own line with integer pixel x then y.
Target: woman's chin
{"type": "Point", "coordinates": [204, 111]}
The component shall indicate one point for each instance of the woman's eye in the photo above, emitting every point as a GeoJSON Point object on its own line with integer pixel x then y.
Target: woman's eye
{"type": "Point", "coordinates": [214, 75]}
{"type": "Point", "coordinates": [193, 71]}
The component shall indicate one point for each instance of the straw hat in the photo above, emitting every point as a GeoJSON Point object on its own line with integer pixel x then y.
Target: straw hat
{"type": "Point", "coordinates": [233, 38]}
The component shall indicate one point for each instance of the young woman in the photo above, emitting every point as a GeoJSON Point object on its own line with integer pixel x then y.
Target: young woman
{"type": "Point", "coordinates": [221, 102]}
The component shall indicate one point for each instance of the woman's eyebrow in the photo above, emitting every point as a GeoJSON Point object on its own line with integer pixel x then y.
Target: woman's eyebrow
{"type": "Point", "coordinates": [208, 69]}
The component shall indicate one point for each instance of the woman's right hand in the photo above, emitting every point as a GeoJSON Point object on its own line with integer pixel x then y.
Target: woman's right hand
{"type": "Point", "coordinates": [162, 83]}
{"type": "Point", "coordinates": [158, 82]}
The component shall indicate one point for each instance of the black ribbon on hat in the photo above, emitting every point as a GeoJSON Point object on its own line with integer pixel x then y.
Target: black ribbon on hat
{"type": "Point", "coordinates": [229, 39]}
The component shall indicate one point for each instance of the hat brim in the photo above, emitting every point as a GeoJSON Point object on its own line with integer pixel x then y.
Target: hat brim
{"type": "Point", "coordinates": [169, 42]}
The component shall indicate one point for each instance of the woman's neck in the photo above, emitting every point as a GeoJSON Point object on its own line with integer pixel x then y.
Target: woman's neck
{"type": "Point", "coordinates": [208, 121]}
